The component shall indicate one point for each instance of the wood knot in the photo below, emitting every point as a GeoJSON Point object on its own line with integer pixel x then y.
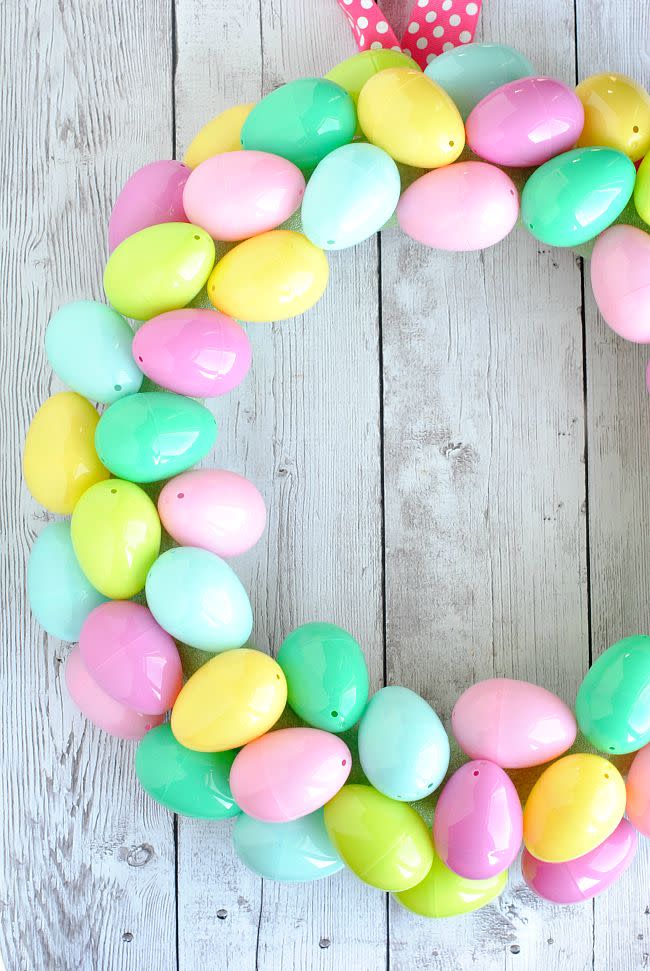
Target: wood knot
{"type": "Point", "coordinates": [139, 855]}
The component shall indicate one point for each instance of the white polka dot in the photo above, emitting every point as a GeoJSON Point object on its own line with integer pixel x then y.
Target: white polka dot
{"type": "Point", "coordinates": [431, 16]}
{"type": "Point", "coordinates": [448, 46]}
{"type": "Point", "coordinates": [367, 4]}
{"type": "Point", "coordinates": [422, 42]}
{"type": "Point", "coordinates": [397, 48]}
{"type": "Point", "coordinates": [447, 4]}
{"type": "Point", "coordinates": [438, 31]}
{"type": "Point", "coordinates": [376, 45]}
{"type": "Point", "coordinates": [423, 3]}
{"type": "Point", "coordinates": [430, 57]}
{"type": "Point", "coordinates": [454, 20]}
{"type": "Point", "coordinates": [464, 37]}
{"type": "Point", "coordinates": [382, 27]}
{"type": "Point", "coordinates": [347, 2]}
{"type": "Point", "coordinates": [413, 27]}
{"type": "Point", "coordinates": [362, 22]}
{"type": "Point", "coordinates": [471, 9]}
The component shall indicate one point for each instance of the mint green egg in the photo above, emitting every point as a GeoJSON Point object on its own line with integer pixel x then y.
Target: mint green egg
{"type": "Point", "coordinates": [471, 72]}
{"type": "Point", "coordinates": [153, 435]}
{"type": "Point", "coordinates": [295, 852]}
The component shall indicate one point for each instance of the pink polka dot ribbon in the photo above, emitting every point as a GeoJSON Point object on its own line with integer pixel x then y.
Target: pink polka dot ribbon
{"type": "Point", "coordinates": [370, 28]}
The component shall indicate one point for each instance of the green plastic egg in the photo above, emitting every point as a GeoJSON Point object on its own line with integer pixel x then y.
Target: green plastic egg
{"type": "Point", "coordinates": [294, 852]}
{"type": "Point", "coordinates": [443, 893]}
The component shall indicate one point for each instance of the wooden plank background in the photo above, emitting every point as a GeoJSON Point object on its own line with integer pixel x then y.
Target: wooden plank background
{"type": "Point", "coordinates": [454, 453]}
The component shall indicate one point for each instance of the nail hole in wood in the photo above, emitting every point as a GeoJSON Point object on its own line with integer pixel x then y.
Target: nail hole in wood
{"type": "Point", "coordinates": [324, 942]}
{"type": "Point", "coordinates": [127, 937]}
{"type": "Point", "coordinates": [514, 949]}
{"type": "Point", "coordinates": [222, 914]}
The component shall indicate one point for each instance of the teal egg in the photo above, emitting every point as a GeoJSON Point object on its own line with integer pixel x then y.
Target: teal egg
{"type": "Point", "coordinates": [59, 594]}
{"type": "Point", "coordinates": [576, 195]}
{"type": "Point", "coordinates": [89, 346]}
{"type": "Point", "coordinates": [403, 747]}
{"type": "Point", "coordinates": [294, 852]}
{"type": "Point", "coordinates": [471, 72]}
{"type": "Point", "coordinates": [154, 435]}
{"type": "Point", "coordinates": [351, 195]}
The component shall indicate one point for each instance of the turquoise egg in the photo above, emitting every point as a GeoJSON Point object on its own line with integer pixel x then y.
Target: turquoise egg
{"type": "Point", "coordinates": [89, 346]}
{"type": "Point", "coordinates": [351, 195]}
{"type": "Point", "coordinates": [403, 747]}
{"type": "Point", "coordinates": [471, 72]}
{"type": "Point", "coordinates": [59, 594]}
{"type": "Point", "coordinates": [154, 435]}
{"type": "Point", "coordinates": [294, 852]}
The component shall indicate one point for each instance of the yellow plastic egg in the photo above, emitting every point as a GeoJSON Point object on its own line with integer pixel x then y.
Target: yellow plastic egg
{"type": "Point", "coordinates": [60, 461]}
{"type": "Point", "coordinates": [642, 190]}
{"type": "Point", "coordinates": [617, 114]}
{"type": "Point", "coordinates": [410, 116]}
{"type": "Point", "coordinates": [221, 134]}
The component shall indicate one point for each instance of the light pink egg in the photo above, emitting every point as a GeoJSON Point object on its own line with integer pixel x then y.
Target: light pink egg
{"type": "Point", "coordinates": [512, 723]}
{"type": "Point", "coordinates": [241, 194]}
{"type": "Point", "coordinates": [620, 279]}
{"type": "Point", "coordinates": [153, 195]}
{"type": "Point", "coordinates": [200, 353]}
{"type": "Point", "coordinates": [102, 710]}
{"type": "Point", "coordinates": [638, 791]}
{"type": "Point", "coordinates": [214, 509]}
{"type": "Point", "coordinates": [131, 657]}
{"type": "Point", "coordinates": [464, 206]}
{"type": "Point", "coordinates": [289, 773]}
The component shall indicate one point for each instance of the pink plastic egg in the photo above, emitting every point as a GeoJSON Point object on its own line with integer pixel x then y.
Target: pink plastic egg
{"type": "Point", "coordinates": [478, 823]}
{"type": "Point", "coordinates": [620, 279]}
{"type": "Point", "coordinates": [99, 708]}
{"type": "Point", "coordinates": [512, 723]}
{"type": "Point", "coordinates": [200, 353]}
{"type": "Point", "coordinates": [242, 194]}
{"type": "Point", "coordinates": [289, 773]}
{"type": "Point", "coordinates": [131, 657]}
{"type": "Point", "coordinates": [586, 876]}
{"type": "Point", "coordinates": [638, 791]}
{"type": "Point", "coordinates": [213, 509]}
{"type": "Point", "coordinates": [153, 195]}
{"type": "Point", "coordinates": [464, 206]}
{"type": "Point", "coordinates": [525, 122]}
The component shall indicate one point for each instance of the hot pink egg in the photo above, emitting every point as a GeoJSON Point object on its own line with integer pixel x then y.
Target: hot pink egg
{"type": "Point", "coordinates": [289, 773]}
{"type": "Point", "coordinates": [200, 353]}
{"type": "Point", "coordinates": [620, 279]}
{"type": "Point", "coordinates": [241, 194]}
{"type": "Point", "coordinates": [638, 791]}
{"type": "Point", "coordinates": [153, 195]}
{"type": "Point", "coordinates": [525, 122]}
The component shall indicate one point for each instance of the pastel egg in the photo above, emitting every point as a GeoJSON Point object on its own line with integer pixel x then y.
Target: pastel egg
{"type": "Point", "coordinates": [327, 677]}
{"type": "Point", "coordinates": [89, 346]}
{"type": "Point", "coordinates": [620, 279]}
{"type": "Point", "coordinates": [576, 803]}
{"type": "Point", "coordinates": [153, 435]}
{"type": "Point", "coordinates": [352, 73]}
{"type": "Point", "coordinates": [59, 594]}
{"type": "Point", "coordinates": [271, 277]}
{"type": "Point", "coordinates": [295, 852]}
{"type": "Point", "coordinates": [158, 269]}
{"type": "Point", "coordinates": [289, 773]}
{"type": "Point", "coordinates": [428, 210]}
{"type": "Point", "coordinates": [444, 893]}
{"type": "Point", "coordinates": [469, 73]}
{"type": "Point", "coordinates": [386, 843]}
{"type": "Point", "coordinates": [220, 134]}
{"type": "Point", "coordinates": [190, 783]}
{"type": "Point", "coordinates": [130, 657]}
{"type": "Point", "coordinates": [199, 600]}
{"type": "Point", "coordinates": [514, 724]}
{"type": "Point", "coordinates": [59, 459]}
{"type": "Point", "coordinates": [642, 190]}
{"type": "Point", "coordinates": [403, 748]}
{"type": "Point", "coordinates": [478, 823]}
{"type": "Point", "coordinates": [213, 509]}
{"type": "Point", "coordinates": [153, 195]}
{"type": "Point", "coordinates": [351, 195]}
{"type": "Point", "coordinates": [525, 122]}
{"type": "Point", "coordinates": [236, 697]}
{"type": "Point", "coordinates": [638, 791]}
{"type": "Point", "coordinates": [116, 537]}
{"type": "Point", "coordinates": [613, 702]}
{"type": "Point", "coordinates": [617, 114]}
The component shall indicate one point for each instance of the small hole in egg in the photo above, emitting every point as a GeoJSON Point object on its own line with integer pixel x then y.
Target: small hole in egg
{"type": "Point", "coordinates": [530, 225]}
{"type": "Point", "coordinates": [430, 786]}
{"type": "Point", "coordinates": [344, 762]}
{"type": "Point", "coordinates": [635, 129]}
{"type": "Point", "coordinates": [180, 495]}
{"type": "Point", "coordinates": [475, 772]}
{"type": "Point", "coordinates": [611, 748]}
{"type": "Point", "coordinates": [512, 192]}
{"type": "Point", "coordinates": [334, 714]}
{"type": "Point", "coordinates": [451, 144]}
{"type": "Point", "coordinates": [330, 242]}
{"type": "Point", "coordinates": [140, 359]}
{"type": "Point", "coordinates": [607, 775]}
{"type": "Point", "coordinates": [118, 387]}
{"type": "Point", "coordinates": [197, 237]}
{"type": "Point", "coordinates": [113, 492]}
{"type": "Point", "coordinates": [277, 677]}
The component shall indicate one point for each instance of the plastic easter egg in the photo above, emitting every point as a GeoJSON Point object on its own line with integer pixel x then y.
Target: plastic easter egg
{"type": "Point", "coordinates": [59, 459]}
{"type": "Point", "coordinates": [271, 277]}
{"type": "Point", "coordinates": [617, 114]}
{"type": "Point", "coordinates": [512, 723]}
{"type": "Point", "coordinates": [295, 852]}
{"type": "Point", "coordinates": [327, 677]}
{"type": "Point", "coordinates": [525, 123]}
{"type": "Point", "coordinates": [302, 121]}
{"type": "Point", "coordinates": [573, 197]}
{"type": "Point", "coordinates": [59, 594]}
{"type": "Point", "coordinates": [234, 698]}
{"type": "Point", "coordinates": [620, 279]}
{"type": "Point", "coordinates": [469, 73]}
{"type": "Point", "coordinates": [444, 893]}
{"type": "Point", "coordinates": [214, 509]}
{"type": "Point", "coordinates": [386, 843]}
{"type": "Point", "coordinates": [585, 877]}
{"type": "Point", "coordinates": [412, 118]}
{"type": "Point", "coordinates": [220, 134]}
{"type": "Point", "coordinates": [289, 773]}
{"type": "Point", "coordinates": [576, 803]}
{"type": "Point", "coordinates": [89, 346]}
{"type": "Point", "coordinates": [189, 783]}
{"type": "Point", "coordinates": [642, 190]}
{"type": "Point", "coordinates": [478, 824]}
{"type": "Point", "coordinates": [116, 537]}
{"type": "Point", "coordinates": [613, 703]}
{"type": "Point", "coordinates": [352, 73]}
{"type": "Point", "coordinates": [351, 195]}
{"type": "Point", "coordinates": [158, 269]}
{"type": "Point", "coordinates": [153, 195]}
{"type": "Point", "coordinates": [130, 657]}
{"type": "Point", "coordinates": [403, 748]}
{"type": "Point", "coordinates": [429, 209]}
{"type": "Point", "coordinates": [198, 599]}
{"type": "Point", "coordinates": [153, 435]}
{"type": "Point", "coordinates": [638, 791]}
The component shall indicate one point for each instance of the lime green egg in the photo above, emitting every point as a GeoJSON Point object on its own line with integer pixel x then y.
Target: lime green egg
{"type": "Point", "coordinates": [443, 893]}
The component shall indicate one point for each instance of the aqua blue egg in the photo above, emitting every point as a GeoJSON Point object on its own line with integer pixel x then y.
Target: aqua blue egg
{"type": "Point", "coordinates": [471, 72]}
{"type": "Point", "coordinates": [295, 852]}
{"type": "Point", "coordinates": [89, 347]}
